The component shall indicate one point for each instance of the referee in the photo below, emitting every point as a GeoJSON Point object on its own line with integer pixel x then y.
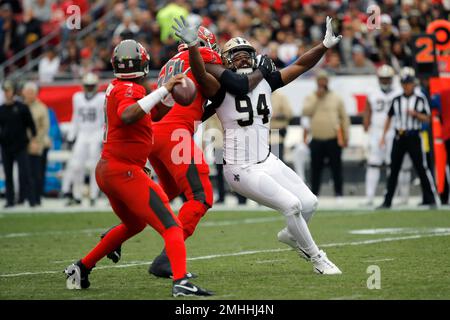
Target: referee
{"type": "Point", "coordinates": [408, 110]}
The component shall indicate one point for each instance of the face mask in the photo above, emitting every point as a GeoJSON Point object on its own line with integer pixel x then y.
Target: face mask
{"type": "Point", "coordinates": [385, 87]}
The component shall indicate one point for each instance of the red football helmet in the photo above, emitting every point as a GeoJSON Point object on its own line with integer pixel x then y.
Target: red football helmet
{"type": "Point", "coordinates": [206, 39]}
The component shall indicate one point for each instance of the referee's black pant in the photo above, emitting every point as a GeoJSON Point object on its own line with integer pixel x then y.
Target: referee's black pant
{"type": "Point", "coordinates": [320, 151]}
{"type": "Point", "coordinates": [25, 178]}
{"type": "Point", "coordinates": [411, 143]}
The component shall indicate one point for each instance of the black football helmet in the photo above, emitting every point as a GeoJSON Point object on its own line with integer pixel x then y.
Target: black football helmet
{"type": "Point", "coordinates": [130, 60]}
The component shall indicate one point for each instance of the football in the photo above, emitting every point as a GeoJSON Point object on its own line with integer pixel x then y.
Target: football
{"type": "Point", "coordinates": [184, 93]}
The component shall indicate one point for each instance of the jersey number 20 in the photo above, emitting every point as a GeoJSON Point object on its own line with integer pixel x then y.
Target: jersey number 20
{"type": "Point", "coordinates": [244, 104]}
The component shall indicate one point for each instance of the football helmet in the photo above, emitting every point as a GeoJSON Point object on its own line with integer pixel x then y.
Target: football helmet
{"type": "Point", "coordinates": [130, 60]}
{"type": "Point", "coordinates": [385, 74]}
{"type": "Point", "coordinates": [205, 39]}
{"type": "Point", "coordinates": [90, 84]}
{"type": "Point", "coordinates": [232, 47]}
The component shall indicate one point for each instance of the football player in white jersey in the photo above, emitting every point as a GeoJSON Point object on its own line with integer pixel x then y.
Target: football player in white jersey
{"type": "Point", "coordinates": [377, 107]}
{"type": "Point", "coordinates": [87, 131]}
{"type": "Point", "coordinates": [249, 166]}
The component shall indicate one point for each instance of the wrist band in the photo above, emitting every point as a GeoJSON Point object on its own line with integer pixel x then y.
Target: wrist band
{"type": "Point", "coordinates": [149, 101]}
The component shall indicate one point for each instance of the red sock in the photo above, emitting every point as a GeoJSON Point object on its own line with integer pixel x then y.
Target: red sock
{"type": "Point", "coordinates": [176, 251]}
{"type": "Point", "coordinates": [189, 215]}
{"type": "Point", "coordinates": [114, 238]}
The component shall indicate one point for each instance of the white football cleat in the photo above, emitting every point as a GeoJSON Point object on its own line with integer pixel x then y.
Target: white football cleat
{"type": "Point", "coordinates": [77, 276]}
{"type": "Point", "coordinates": [322, 265]}
{"type": "Point", "coordinates": [73, 277]}
{"type": "Point", "coordinates": [285, 237]}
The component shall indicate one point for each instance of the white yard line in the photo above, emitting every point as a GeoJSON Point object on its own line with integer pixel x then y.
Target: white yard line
{"type": "Point", "coordinates": [49, 233]}
{"type": "Point", "coordinates": [242, 253]}
{"type": "Point", "coordinates": [379, 260]}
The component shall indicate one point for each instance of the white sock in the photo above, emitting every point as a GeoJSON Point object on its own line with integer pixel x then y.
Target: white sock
{"type": "Point", "coordinates": [67, 180]}
{"type": "Point", "coordinates": [298, 228]}
{"type": "Point", "coordinates": [372, 178]}
{"type": "Point", "coordinates": [404, 182]}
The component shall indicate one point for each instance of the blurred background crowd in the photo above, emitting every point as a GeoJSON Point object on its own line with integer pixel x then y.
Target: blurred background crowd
{"type": "Point", "coordinates": [283, 29]}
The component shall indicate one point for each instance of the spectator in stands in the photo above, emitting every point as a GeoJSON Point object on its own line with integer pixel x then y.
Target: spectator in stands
{"type": "Point", "coordinates": [347, 43]}
{"type": "Point", "coordinates": [48, 66]}
{"type": "Point", "coordinates": [71, 59]}
{"type": "Point", "coordinates": [272, 52]}
{"type": "Point", "coordinates": [16, 124]}
{"type": "Point", "coordinates": [385, 38]}
{"type": "Point", "coordinates": [42, 9]}
{"type": "Point", "coordinates": [329, 131]}
{"type": "Point", "coordinates": [127, 26]}
{"type": "Point", "coordinates": [333, 63]}
{"type": "Point", "coordinates": [31, 31]}
{"type": "Point", "coordinates": [360, 64]}
{"type": "Point", "coordinates": [16, 5]}
{"type": "Point", "coordinates": [10, 42]}
{"type": "Point", "coordinates": [281, 116]}
{"type": "Point", "coordinates": [165, 16]}
{"type": "Point", "coordinates": [41, 120]}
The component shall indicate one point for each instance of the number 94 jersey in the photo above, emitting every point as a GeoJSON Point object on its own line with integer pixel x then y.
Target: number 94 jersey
{"type": "Point", "coordinates": [246, 122]}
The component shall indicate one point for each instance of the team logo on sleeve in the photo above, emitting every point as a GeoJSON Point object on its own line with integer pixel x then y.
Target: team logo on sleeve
{"type": "Point", "coordinates": [129, 92]}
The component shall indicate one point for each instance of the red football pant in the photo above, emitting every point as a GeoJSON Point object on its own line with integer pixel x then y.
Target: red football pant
{"type": "Point", "coordinates": [181, 168]}
{"type": "Point", "coordinates": [137, 201]}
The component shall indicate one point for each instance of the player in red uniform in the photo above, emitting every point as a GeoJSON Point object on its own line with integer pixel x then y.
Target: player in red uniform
{"type": "Point", "coordinates": [135, 198]}
{"type": "Point", "coordinates": [176, 159]}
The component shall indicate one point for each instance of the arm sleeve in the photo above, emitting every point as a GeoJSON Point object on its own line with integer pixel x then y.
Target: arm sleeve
{"type": "Point", "coordinates": [236, 84]}
{"type": "Point", "coordinates": [344, 119]}
{"type": "Point", "coordinates": [274, 80]}
{"type": "Point", "coordinates": [308, 106]}
{"type": "Point", "coordinates": [29, 121]}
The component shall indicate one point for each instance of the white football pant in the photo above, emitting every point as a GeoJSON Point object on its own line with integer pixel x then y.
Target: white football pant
{"type": "Point", "coordinates": [273, 184]}
{"type": "Point", "coordinates": [85, 155]}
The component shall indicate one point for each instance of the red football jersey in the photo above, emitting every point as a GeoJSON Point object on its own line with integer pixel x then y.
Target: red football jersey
{"type": "Point", "coordinates": [125, 143]}
{"type": "Point", "coordinates": [185, 115]}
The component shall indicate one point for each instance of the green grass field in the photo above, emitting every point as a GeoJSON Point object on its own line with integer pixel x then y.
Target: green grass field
{"type": "Point", "coordinates": [236, 254]}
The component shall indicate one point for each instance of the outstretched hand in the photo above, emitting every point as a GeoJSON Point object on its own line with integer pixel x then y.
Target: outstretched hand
{"type": "Point", "coordinates": [330, 39]}
{"type": "Point", "coordinates": [266, 65]}
{"type": "Point", "coordinates": [186, 32]}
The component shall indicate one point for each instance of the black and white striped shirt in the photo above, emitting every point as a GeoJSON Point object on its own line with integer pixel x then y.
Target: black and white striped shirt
{"type": "Point", "coordinates": [400, 105]}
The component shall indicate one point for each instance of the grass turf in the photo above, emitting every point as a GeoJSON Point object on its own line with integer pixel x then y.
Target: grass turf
{"type": "Point", "coordinates": [236, 254]}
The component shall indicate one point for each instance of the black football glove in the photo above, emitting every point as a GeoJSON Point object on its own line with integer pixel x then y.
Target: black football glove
{"type": "Point", "coordinates": [266, 65]}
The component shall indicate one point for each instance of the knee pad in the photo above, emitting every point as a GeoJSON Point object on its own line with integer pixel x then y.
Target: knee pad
{"type": "Point", "coordinates": [310, 204]}
{"type": "Point", "coordinates": [190, 214]}
{"type": "Point", "coordinates": [295, 207]}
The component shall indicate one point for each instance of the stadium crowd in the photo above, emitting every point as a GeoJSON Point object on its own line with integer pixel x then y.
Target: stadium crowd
{"type": "Point", "coordinates": [283, 29]}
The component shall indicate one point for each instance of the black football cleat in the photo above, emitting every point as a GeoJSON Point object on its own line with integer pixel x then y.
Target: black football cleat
{"type": "Point", "coordinates": [183, 288]}
{"type": "Point", "coordinates": [161, 268]}
{"type": "Point", "coordinates": [117, 253]}
{"type": "Point", "coordinates": [73, 202]}
{"type": "Point", "coordinates": [384, 206]}
{"type": "Point", "coordinates": [77, 276]}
